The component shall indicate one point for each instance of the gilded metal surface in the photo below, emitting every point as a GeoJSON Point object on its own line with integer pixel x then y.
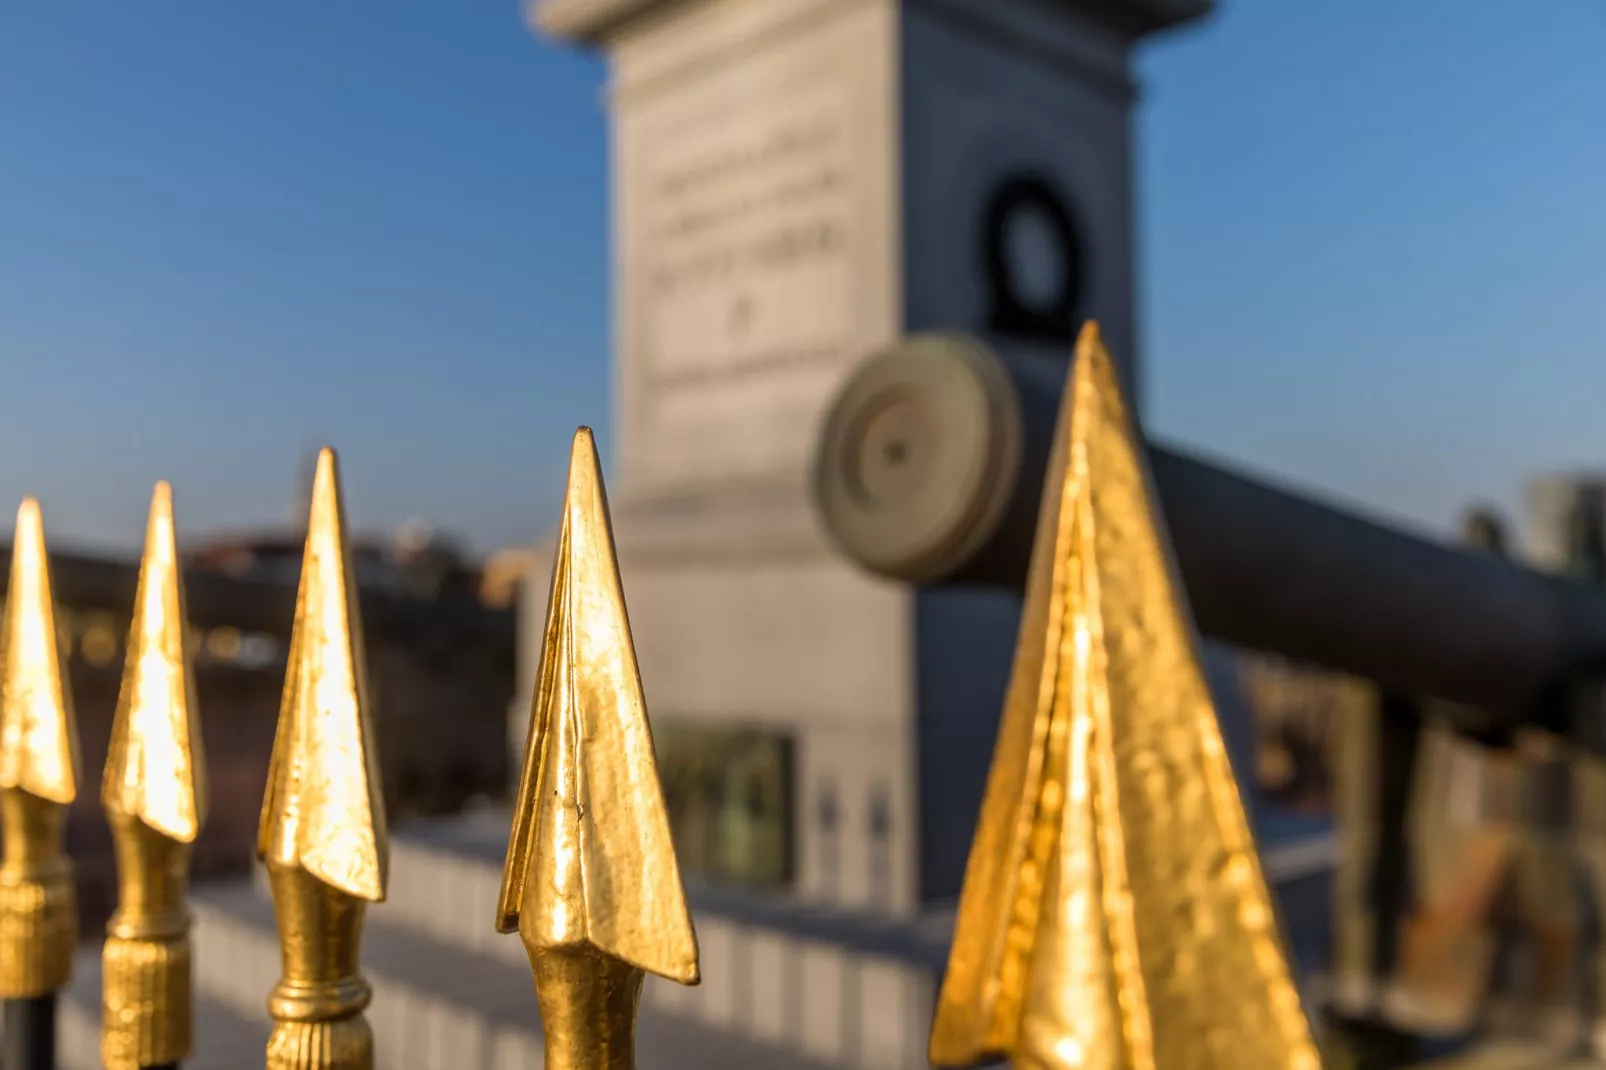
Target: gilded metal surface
{"type": "Point", "coordinates": [155, 768]}
{"type": "Point", "coordinates": [154, 794]}
{"type": "Point", "coordinates": [591, 884]}
{"type": "Point", "coordinates": [38, 778]}
{"type": "Point", "coordinates": [146, 1002]}
{"type": "Point", "coordinates": [322, 835]}
{"type": "Point", "coordinates": [1114, 913]}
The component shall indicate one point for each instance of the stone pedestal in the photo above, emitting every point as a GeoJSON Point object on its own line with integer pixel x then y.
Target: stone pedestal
{"type": "Point", "coordinates": [796, 184]}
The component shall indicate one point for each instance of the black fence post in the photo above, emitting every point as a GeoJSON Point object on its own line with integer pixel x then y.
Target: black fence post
{"type": "Point", "coordinates": [30, 1033]}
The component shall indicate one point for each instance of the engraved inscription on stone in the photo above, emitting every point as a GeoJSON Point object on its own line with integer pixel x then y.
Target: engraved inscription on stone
{"type": "Point", "coordinates": [747, 301]}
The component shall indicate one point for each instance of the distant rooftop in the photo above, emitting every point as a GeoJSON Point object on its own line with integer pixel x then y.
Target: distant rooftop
{"type": "Point", "coordinates": [406, 564]}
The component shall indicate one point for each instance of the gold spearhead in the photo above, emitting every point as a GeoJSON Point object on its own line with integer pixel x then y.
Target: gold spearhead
{"type": "Point", "coordinates": [38, 778]}
{"type": "Point", "coordinates": [591, 884]}
{"type": "Point", "coordinates": [322, 834]}
{"type": "Point", "coordinates": [154, 794]}
{"type": "Point", "coordinates": [155, 768]}
{"type": "Point", "coordinates": [1114, 914]}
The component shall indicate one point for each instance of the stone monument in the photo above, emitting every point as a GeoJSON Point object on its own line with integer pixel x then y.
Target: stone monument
{"type": "Point", "coordinates": [796, 184]}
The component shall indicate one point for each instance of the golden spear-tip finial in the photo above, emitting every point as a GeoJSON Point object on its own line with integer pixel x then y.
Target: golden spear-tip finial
{"type": "Point", "coordinates": [591, 884]}
{"type": "Point", "coordinates": [154, 794]}
{"type": "Point", "coordinates": [38, 778]}
{"type": "Point", "coordinates": [322, 834]}
{"type": "Point", "coordinates": [1114, 914]}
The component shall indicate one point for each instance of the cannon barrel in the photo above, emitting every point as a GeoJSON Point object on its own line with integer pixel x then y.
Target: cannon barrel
{"type": "Point", "coordinates": [930, 470]}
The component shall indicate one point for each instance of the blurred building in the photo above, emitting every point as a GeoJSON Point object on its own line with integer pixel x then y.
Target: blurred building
{"type": "Point", "coordinates": [414, 562]}
{"type": "Point", "coordinates": [1567, 524]}
{"type": "Point", "coordinates": [503, 575]}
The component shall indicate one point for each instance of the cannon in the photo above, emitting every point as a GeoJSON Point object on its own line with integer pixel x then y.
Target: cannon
{"type": "Point", "coordinates": [930, 467]}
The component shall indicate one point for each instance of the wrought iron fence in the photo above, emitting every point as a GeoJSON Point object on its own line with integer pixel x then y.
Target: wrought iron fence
{"type": "Point", "coordinates": [1114, 911]}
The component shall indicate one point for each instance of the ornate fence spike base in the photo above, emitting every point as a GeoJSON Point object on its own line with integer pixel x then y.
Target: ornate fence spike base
{"type": "Point", "coordinates": [342, 1044]}
{"type": "Point", "coordinates": [38, 932]}
{"type": "Point", "coordinates": [317, 1006]}
{"type": "Point", "coordinates": [145, 1002]}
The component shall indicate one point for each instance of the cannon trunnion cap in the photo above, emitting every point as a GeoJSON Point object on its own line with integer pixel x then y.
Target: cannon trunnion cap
{"type": "Point", "coordinates": [919, 456]}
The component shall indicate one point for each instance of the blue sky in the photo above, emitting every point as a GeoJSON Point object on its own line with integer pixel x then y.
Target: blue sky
{"type": "Point", "coordinates": [1373, 254]}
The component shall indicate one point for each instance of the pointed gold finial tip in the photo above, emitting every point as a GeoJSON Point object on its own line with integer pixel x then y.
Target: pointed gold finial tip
{"type": "Point", "coordinates": [160, 521]}
{"type": "Point", "coordinates": [1092, 355]}
{"type": "Point", "coordinates": [590, 861]}
{"type": "Point", "coordinates": [29, 542]}
{"type": "Point", "coordinates": [39, 744]}
{"type": "Point", "coordinates": [1067, 941]}
{"type": "Point", "coordinates": [326, 511]}
{"type": "Point", "coordinates": [154, 767]}
{"type": "Point", "coordinates": [326, 473]}
{"type": "Point", "coordinates": [323, 810]}
{"type": "Point", "coordinates": [585, 487]}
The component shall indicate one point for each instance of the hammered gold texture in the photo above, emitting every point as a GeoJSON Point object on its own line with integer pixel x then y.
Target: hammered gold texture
{"type": "Point", "coordinates": [322, 811]}
{"type": "Point", "coordinates": [38, 778]}
{"type": "Point", "coordinates": [1114, 914]}
{"type": "Point", "coordinates": [348, 1044]}
{"type": "Point", "coordinates": [153, 791]}
{"type": "Point", "coordinates": [318, 1003]}
{"type": "Point", "coordinates": [145, 1010]}
{"type": "Point", "coordinates": [154, 761]}
{"type": "Point", "coordinates": [588, 1006]}
{"type": "Point", "coordinates": [38, 932]}
{"type": "Point", "coordinates": [322, 834]}
{"type": "Point", "coordinates": [591, 883]}
{"type": "Point", "coordinates": [38, 733]}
